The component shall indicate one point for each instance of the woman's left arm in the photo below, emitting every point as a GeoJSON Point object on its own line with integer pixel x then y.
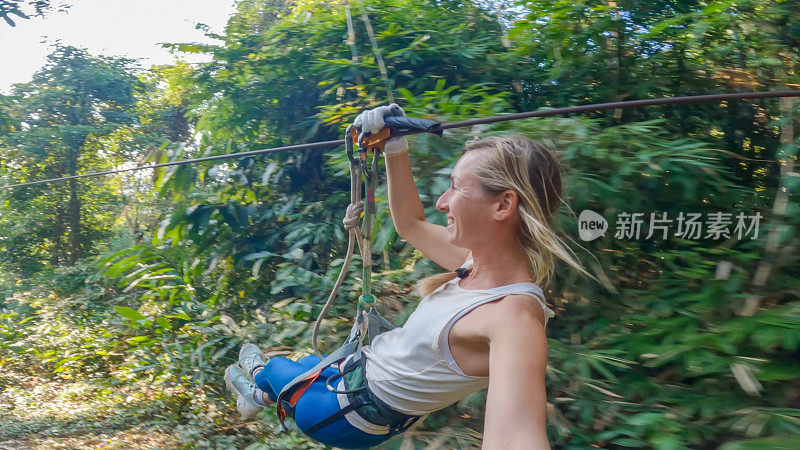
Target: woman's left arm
{"type": "Point", "coordinates": [516, 403]}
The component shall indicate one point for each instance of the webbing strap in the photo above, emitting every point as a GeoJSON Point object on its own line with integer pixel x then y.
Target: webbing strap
{"type": "Point", "coordinates": [376, 323]}
{"type": "Point", "coordinates": [340, 353]}
{"type": "Point", "coordinates": [303, 387]}
{"type": "Point", "coordinates": [358, 402]}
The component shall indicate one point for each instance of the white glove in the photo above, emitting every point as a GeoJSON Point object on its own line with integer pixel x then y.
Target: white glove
{"type": "Point", "coordinates": [371, 121]}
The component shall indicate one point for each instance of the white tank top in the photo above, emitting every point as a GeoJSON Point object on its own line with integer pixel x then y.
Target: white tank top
{"type": "Point", "coordinates": [411, 368]}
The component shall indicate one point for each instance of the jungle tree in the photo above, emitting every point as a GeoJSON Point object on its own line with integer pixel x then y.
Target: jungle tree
{"type": "Point", "coordinates": [72, 118]}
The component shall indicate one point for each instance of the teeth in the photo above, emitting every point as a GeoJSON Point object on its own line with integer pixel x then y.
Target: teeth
{"type": "Point", "coordinates": [450, 221]}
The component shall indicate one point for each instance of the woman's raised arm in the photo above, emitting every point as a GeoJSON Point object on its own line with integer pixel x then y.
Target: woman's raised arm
{"type": "Point", "coordinates": [409, 216]}
{"type": "Point", "coordinates": [516, 403]}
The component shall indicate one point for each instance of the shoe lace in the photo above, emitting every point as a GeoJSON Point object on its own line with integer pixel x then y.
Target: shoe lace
{"type": "Point", "coordinates": [250, 359]}
{"type": "Point", "coordinates": [254, 361]}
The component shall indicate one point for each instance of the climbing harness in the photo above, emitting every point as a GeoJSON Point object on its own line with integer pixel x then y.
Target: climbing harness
{"type": "Point", "coordinates": [349, 358]}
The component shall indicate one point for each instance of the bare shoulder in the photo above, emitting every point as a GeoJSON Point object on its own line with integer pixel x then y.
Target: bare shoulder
{"type": "Point", "coordinates": [516, 332]}
{"type": "Point", "coordinates": [519, 309]}
{"type": "Point", "coordinates": [508, 316]}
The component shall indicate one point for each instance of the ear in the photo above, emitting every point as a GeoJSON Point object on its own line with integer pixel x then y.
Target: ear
{"type": "Point", "coordinates": [506, 205]}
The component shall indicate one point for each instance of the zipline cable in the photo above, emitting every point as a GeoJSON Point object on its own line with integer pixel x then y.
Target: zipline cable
{"type": "Point", "coordinates": [448, 126]}
{"type": "Point", "coordinates": [188, 161]}
{"type": "Point", "coordinates": [622, 105]}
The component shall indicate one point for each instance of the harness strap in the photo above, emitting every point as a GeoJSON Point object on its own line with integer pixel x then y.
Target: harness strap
{"type": "Point", "coordinates": [363, 402]}
{"type": "Point", "coordinates": [340, 353]}
{"type": "Point", "coordinates": [303, 386]}
{"type": "Point", "coordinates": [376, 323]}
{"type": "Point", "coordinates": [357, 402]}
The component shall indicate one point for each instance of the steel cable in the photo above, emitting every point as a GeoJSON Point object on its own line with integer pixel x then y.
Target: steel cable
{"type": "Point", "coordinates": [447, 126]}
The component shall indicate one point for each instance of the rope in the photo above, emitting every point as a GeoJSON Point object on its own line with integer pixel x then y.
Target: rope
{"type": "Point", "coordinates": [351, 225]}
{"type": "Point", "coordinates": [358, 169]}
{"type": "Point", "coordinates": [448, 126]}
{"type": "Point", "coordinates": [352, 215]}
{"type": "Point", "coordinates": [371, 176]}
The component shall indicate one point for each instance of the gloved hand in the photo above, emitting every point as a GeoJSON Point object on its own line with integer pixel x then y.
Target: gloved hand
{"type": "Point", "coordinates": [371, 121]}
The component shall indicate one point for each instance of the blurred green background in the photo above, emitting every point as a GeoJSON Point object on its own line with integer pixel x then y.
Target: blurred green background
{"type": "Point", "coordinates": [122, 299]}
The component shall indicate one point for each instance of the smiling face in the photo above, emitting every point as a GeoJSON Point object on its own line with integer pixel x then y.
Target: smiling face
{"type": "Point", "coordinates": [468, 208]}
{"type": "Point", "coordinates": [505, 193]}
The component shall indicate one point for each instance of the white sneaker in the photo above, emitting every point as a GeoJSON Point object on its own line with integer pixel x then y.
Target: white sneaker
{"type": "Point", "coordinates": [237, 381]}
{"type": "Point", "coordinates": [251, 358]}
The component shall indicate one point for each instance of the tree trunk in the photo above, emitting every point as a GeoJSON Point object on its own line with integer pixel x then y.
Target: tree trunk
{"type": "Point", "coordinates": [59, 231]}
{"type": "Point", "coordinates": [75, 244]}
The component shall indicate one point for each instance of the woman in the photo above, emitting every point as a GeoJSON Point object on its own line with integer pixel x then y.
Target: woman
{"type": "Point", "coordinates": [489, 318]}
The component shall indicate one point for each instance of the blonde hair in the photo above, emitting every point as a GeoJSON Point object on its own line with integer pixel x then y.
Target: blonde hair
{"type": "Point", "coordinates": [514, 162]}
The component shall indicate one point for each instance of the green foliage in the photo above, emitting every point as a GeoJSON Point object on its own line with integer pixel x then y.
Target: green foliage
{"type": "Point", "coordinates": [68, 120]}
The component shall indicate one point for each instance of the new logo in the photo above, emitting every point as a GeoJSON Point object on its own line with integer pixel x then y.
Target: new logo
{"type": "Point", "coordinates": [591, 225]}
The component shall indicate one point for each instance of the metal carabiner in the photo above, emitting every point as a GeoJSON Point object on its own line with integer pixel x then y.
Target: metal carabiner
{"type": "Point", "coordinates": [363, 148]}
{"type": "Point", "coordinates": [348, 144]}
{"type": "Point", "coordinates": [337, 376]}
